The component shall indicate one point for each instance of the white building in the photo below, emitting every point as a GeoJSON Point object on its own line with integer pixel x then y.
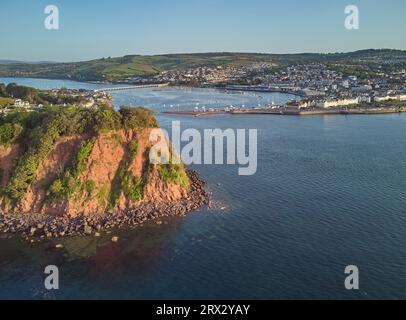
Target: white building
{"type": "Point", "coordinates": [336, 103]}
{"type": "Point", "coordinates": [366, 99]}
{"type": "Point", "coordinates": [21, 104]}
{"type": "Point", "coordinates": [400, 97]}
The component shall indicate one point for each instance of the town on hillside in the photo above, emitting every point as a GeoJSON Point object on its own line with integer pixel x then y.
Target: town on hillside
{"type": "Point", "coordinates": [14, 97]}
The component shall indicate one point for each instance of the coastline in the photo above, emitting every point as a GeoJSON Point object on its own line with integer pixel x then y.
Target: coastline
{"type": "Point", "coordinates": [36, 228]}
{"type": "Point", "coordinates": [371, 111]}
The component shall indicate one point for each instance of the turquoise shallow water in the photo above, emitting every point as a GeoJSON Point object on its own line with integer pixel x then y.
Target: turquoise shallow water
{"type": "Point", "coordinates": [330, 191]}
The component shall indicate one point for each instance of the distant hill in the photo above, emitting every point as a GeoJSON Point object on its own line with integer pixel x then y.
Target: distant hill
{"type": "Point", "coordinates": [22, 62]}
{"type": "Point", "coordinates": [116, 69]}
{"type": "Point", "coordinates": [9, 61]}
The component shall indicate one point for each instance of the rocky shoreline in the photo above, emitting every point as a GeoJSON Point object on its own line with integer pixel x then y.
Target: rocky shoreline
{"type": "Point", "coordinates": [39, 227]}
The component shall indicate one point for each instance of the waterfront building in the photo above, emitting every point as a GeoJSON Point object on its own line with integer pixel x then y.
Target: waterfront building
{"type": "Point", "coordinates": [325, 104]}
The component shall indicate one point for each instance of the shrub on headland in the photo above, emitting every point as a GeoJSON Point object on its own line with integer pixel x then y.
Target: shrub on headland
{"type": "Point", "coordinates": [9, 133]}
{"type": "Point", "coordinates": [175, 174]}
{"type": "Point", "coordinates": [134, 118]}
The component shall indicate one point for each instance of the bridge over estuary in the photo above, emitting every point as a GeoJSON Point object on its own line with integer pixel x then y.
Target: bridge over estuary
{"type": "Point", "coordinates": [160, 85]}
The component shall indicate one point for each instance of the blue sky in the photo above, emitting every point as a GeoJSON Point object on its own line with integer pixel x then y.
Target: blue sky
{"type": "Point", "coordinates": [100, 28]}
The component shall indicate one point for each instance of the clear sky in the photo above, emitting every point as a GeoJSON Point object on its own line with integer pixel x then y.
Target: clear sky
{"type": "Point", "coordinates": [100, 28]}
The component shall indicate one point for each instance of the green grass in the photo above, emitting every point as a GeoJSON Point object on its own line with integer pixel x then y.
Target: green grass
{"type": "Point", "coordinates": [4, 102]}
{"type": "Point", "coordinates": [102, 197]}
{"type": "Point", "coordinates": [9, 133]}
{"type": "Point", "coordinates": [125, 183]}
{"type": "Point", "coordinates": [69, 183]}
{"type": "Point", "coordinates": [175, 174]}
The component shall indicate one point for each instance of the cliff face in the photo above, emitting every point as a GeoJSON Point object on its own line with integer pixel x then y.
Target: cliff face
{"type": "Point", "coordinates": [91, 175]}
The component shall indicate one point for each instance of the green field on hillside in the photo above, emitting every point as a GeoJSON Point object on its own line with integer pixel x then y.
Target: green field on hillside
{"type": "Point", "coordinates": [119, 69]}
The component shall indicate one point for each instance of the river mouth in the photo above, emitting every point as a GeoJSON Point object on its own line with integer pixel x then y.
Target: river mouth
{"type": "Point", "coordinates": [329, 192]}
